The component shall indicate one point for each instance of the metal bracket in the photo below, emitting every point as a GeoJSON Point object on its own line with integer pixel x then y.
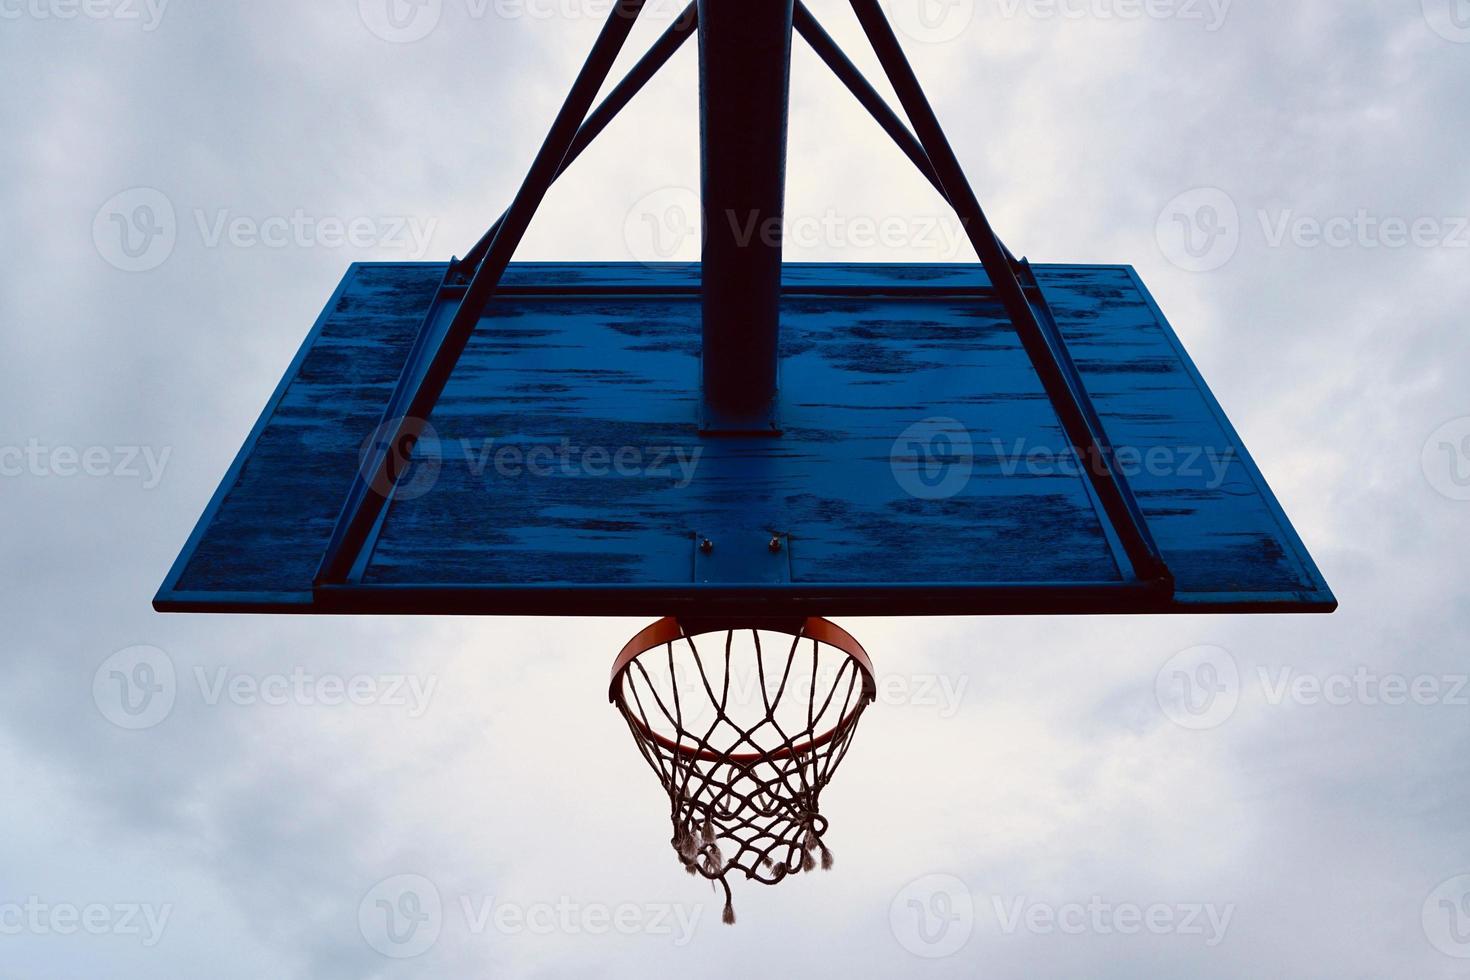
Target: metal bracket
{"type": "Point", "coordinates": [743, 557]}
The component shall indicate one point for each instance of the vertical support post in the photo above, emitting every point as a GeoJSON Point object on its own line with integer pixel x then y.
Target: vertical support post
{"type": "Point", "coordinates": [744, 90]}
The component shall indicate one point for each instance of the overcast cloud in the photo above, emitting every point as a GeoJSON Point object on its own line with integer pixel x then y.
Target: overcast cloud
{"type": "Point", "coordinates": [1051, 819]}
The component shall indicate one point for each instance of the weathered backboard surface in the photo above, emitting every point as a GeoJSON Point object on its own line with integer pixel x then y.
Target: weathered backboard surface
{"type": "Point", "coordinates": [921, 468]}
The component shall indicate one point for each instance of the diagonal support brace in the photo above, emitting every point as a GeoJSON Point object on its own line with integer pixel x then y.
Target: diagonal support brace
{"type": "Point", "coordinates": [425, 375]}
{"type": "Point", "coordinates": [658, 55]}
{"type": "Point", "coordinates": [1039, 336]}
{"type": "Point", "coordinates": [851, 76]}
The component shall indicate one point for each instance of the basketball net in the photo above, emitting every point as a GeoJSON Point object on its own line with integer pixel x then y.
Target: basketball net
{"type": "Point", "coordinates": [744, 735]}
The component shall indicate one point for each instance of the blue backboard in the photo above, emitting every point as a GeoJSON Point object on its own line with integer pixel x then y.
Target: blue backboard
{"type": "Point", "coordinates": [919, 466]}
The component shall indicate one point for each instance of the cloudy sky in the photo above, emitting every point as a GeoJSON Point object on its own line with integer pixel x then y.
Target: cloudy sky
{"type": "Point", "coordinates": [1044, 814]}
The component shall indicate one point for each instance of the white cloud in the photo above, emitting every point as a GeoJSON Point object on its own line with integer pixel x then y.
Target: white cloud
{"type": "Point", "coordinates": [1058, 779]}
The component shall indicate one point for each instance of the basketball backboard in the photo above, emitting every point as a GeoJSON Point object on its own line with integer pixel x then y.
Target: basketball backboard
{"type": "Point", "coordinates": [920, 467]}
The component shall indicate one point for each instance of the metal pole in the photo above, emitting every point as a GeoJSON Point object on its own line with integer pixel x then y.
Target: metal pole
{"type": "Point", "coordinates": [744, 89]}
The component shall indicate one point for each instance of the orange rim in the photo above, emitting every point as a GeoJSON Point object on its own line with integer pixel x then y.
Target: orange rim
{"type": "Point", "coordinates": [669, 629]}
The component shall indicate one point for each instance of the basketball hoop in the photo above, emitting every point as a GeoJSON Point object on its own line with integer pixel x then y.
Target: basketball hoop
{"type": "Point", "coordinates": [745, 738]}
{"type": "Point", "coordinates": [842, 492]}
